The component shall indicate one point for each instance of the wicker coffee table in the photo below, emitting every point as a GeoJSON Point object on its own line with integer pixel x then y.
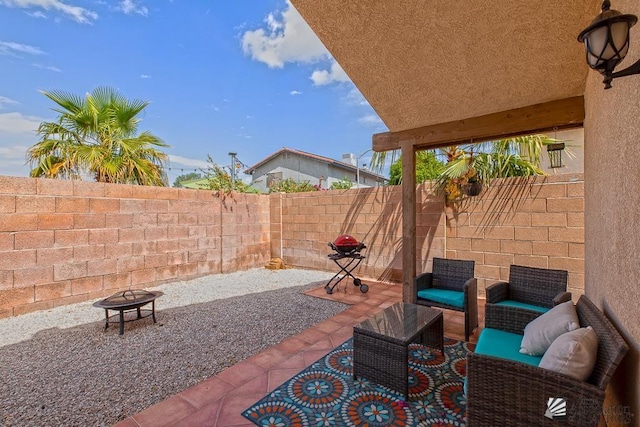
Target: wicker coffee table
{"type": "Point", "coordinates": [381, 343]}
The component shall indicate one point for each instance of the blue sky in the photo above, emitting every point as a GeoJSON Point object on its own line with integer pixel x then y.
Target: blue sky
{"type": "Point", "coordinates": [228, 75]}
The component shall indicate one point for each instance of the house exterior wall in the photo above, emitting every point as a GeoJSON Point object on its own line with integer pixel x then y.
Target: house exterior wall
{"type": "Point", "coordinates": [63, 242]}
{"type": "Point", "coordinates": [302, 168]}
{"type": "Point", "coordinates": [572, 157]}
{"type": "Point", "coordinates": [612, 206]}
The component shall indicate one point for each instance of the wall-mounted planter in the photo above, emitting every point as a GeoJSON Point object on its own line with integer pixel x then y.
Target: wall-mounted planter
{"type": "Point", "coordinates": [472, 189]}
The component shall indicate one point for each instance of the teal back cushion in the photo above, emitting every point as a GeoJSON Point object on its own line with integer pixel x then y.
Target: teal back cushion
{"type": "Point", "coordinates": [443, 296]}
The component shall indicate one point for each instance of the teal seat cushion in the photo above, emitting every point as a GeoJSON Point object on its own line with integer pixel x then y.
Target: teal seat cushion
{"type": "Point", "coordinates": [518, 304]}
{"type": "Point", "coordinates": [443, 296]}
{"type": "Point", "coordinates": [506, 345]}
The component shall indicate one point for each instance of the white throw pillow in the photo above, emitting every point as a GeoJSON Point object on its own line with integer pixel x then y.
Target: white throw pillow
{"type": "Point", "coordinates": [573, 353]}
{"type": "Point", "coordinates": [543, 330]}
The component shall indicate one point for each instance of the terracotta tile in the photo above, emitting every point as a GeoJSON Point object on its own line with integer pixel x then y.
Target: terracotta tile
{"type": "Point", "coordinates": [341, 335]}
{"type": "Point", "coordinates": [269, 357]}
{"type": "Point", "coordinates": [328, 326]}
{"type": "Point", "coordinates": [240, 373]}
{"type": "Point", "coordinates": [292, 345]}
{"type": "Point", "coordinates": [344, 318]}
{"type": "Point", "coordinates": [232, 407]}
{"type": "Point", "coordinates": [165, 413]}
{"type": "Point", "coordinates": [279, 376]}
{"type": "Point", "coordinates": [258, 384]}
{"type": "Point", "coordinates": [295, 361]}
{"type": "Point", "coordinates": [313, 356]}
{"type": "Point", "coordinates": [324, 344]}
{"type": "Point", "coordinates": [205, 417]}
{"type": "Point", "coordinates": [129, 422]}
{"type": "Point", "coordinates": [311, 335]}
{"type": "Point", "coordinates": [207, 391]}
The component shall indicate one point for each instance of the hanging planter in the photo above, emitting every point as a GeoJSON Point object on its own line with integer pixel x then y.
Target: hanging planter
{"type": "Point", "coordinates": [472, 189]}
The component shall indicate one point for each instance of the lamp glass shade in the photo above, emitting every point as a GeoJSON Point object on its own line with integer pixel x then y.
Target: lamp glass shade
{"type": "Point", "coordinates": [607, 45]}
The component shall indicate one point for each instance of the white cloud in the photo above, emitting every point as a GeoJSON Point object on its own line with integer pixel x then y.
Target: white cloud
{"type": "Point", "coordinates": [77, 13]}
{"type": "Point", "coordinates": [17, 133]}
{"type": "Point", "coordinates": [13, 152]}
{"type": "Point", "coordinates": [370, 119]}
{"type": "Point", "coordinates": [335, 74]}
{"type": "Point", "coordinates": [37, 14]}
{"type": "Point", "coordinates": [129, 7]}
{"type": "Point", "coordinates": [185, 161]}
{"type": "Point", "coordinates": [287, 38]}
{"type": "Point", "coordinates": [4, 101]}
{"type": "Point", "coordinates": [17, 123]}
{"type": "Point", "coordinates": [13, 161]}
{"type": "Point", "coordinates": [145, 76]}
{"type": "Point", "coordinates": [354, 97]}
{"type": "Point", "coordinates": [48, 67]}
{"type": "Point", "coordinates": [295, 92]}
{"type": "Point", "coordinates": [11, 48]}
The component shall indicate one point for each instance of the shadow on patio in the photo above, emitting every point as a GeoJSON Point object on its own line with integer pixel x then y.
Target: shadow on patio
{"type": "Point", "coordinates": [220, 400]}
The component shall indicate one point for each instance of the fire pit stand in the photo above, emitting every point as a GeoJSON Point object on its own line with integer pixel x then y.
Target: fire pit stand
{"type": "Point", "coordinates": [127, 301]}
{"type": "Point", "coordinates": [347, 256]}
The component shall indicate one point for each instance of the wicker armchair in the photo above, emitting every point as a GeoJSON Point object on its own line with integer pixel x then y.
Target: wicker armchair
{"type": "Point", "coordinates": [505, 392]}
{"type": "Point", "coordinates": [530, 292]}
{"type": "Point", "coordinates": [454, 280]}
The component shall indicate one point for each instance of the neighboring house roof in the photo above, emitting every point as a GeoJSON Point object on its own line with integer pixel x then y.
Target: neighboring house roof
{"type": "Point", "coordinates": [316, 157]}
{"type": "Point", "coordinates": [197, 184]}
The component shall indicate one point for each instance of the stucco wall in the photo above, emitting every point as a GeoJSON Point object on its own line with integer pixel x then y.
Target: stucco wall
{"type": "Point", "coordinates": [64, 241]}
{"type": "Point", "coordinates": [612, 206]}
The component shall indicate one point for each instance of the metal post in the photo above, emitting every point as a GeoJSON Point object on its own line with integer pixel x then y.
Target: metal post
{"type": "Point", "coordinates": [233, 170]}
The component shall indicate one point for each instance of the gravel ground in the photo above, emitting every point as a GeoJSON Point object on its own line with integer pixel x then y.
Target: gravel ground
{"type": "Point", "coordinates": [80, 375]}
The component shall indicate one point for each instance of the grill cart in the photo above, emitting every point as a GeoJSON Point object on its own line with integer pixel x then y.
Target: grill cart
{"type": "Point", "coordinates": [346, 254]}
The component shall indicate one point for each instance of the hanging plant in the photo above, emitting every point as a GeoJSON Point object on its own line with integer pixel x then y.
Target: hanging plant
{"type": "Point", "coordinates": [470, 183]}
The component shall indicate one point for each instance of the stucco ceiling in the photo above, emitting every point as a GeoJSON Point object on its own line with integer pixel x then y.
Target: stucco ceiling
{"type": "Point", "coordinates": [424, 62]}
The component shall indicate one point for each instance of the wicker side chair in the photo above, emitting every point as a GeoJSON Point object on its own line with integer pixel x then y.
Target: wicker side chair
{"type": "Point", "coordinates": [451, 285]}
{"type": "Point", "coordinates": [529, 292]}
{"type": "Point", "coordinates": [504, 392]}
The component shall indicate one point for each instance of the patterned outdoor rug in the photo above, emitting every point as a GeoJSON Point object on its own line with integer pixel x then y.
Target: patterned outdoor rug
{"type": "Point", "coordinates": [325, 393]}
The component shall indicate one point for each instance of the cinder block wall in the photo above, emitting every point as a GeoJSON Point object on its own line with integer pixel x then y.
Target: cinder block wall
{"type": "Point", "coordinates": [63, 241]}
{"type": "Point", "coordinates": [69, 241]}
{"type": "Point", "coordinates": [537, 222]}
{"type": "Point", "coordinates": [303, 224]}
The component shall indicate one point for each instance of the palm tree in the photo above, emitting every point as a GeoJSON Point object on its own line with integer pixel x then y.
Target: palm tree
{"type": "Point", "coordinates": [97, 136]}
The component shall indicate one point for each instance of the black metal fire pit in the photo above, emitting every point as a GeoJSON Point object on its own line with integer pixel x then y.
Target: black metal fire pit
{"type": "Point", "coordinates": [126, 301]}
{"type": "Point", "coordinates": [347, 256]}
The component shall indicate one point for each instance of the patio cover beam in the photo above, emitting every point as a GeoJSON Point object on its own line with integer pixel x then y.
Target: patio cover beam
{"type": "Point", "coordinates": [560, 114]}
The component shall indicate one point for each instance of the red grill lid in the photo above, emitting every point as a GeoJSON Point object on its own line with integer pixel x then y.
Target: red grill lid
{"type": "Point", "coordinates": [345, 243]}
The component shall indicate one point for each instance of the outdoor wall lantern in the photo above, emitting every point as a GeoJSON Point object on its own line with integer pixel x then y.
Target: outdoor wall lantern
{"type": "Point", "coordinates": [555, 154]}
{"type": "Point", "coordinates": [606, 40]}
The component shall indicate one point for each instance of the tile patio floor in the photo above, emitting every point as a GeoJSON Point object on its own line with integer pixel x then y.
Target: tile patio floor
{"type": "Point", "coordinates": [219, 400]}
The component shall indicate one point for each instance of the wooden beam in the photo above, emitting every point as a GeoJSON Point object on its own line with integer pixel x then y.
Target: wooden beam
{"type": "Point", "coordinates": [408, 221]}
{"type": "Point", "coordinates": [562, 114]}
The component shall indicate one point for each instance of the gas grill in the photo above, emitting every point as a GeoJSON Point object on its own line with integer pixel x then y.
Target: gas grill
{"type": "Point", "coordinates": [346, 254]}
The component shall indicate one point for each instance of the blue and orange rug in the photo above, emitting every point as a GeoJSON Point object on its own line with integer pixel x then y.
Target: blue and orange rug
{"type": "Point", "coordinates": [325, 394]}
